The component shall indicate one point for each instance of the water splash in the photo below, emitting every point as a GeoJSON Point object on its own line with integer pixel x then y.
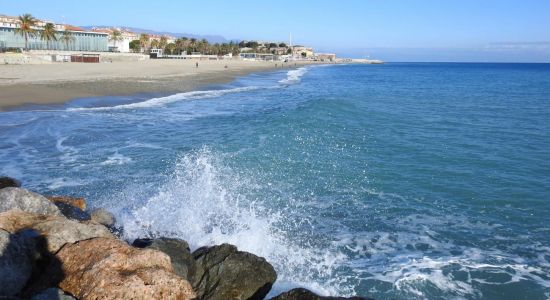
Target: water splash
{"type": "Point", "coordinates": [207, 203]}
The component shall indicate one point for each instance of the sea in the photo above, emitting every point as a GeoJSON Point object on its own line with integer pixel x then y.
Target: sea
{"type": "Point", "coordinates": [393, 181]}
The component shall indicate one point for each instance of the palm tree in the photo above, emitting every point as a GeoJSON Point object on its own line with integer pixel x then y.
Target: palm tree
{"type": "Point", "coordinates": [203, 46]}
{"type": "Point", "coordinates": [67, 38]}
{"type": "Point", "coordinates": [193, 44]}
{"type": "Point", "coordinates": [48, 34]}
{"type": "Point", "coordinates": [163, 42]}
{"type": "Point", "coordinates": [144, 40]}
{"type": "Point", "coordinates": [115, 36]}
{"type": "Point", "coordinates": [27, 21]}
{"type": "Point", "coordinates": [154, 44]}
{"type": "Point", "coordinates": [181, 44]}
{"type": "Point", "coordinates": [170, 48]}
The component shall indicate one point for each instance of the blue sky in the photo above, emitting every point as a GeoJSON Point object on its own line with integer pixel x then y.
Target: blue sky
{"type": "Point", "coordinates": [394, 30]}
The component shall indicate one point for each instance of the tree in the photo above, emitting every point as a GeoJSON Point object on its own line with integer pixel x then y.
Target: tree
{"type": "Point", "coordinates": [304, 54]}
{"type": "Point", "coordinates": [48, 34]}
{"type": "Point", "coordinates": [193, 44]}
{"type": "Point", "coordinates": [135, 46]}
{"type": "Point", "coordinates": [163, 42]}
{"type": "Point", "coordinates": [203, 46]}
{"type": "Point", "coordinates": [115, 36]}
{"type": "Point", "coordinates": [282, 45]}
{"type": "Point", "coordinates": [272, 45]}
{"type": "Point", "coordinates": [154, 44]}
{"type": "Point", "coordinates": [67, 38]}
{"type": "Point", "coordinates": [181, 44]}
{"type": "Point", "coordinates": [170, 48]}
{"type": "Point", "coordinates": [27, 21]}
{"type": "Point", "coordinates": [144, 40]}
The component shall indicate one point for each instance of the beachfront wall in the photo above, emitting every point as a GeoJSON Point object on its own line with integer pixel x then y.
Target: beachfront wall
{"type": "Point", "coordinates": [82, 41]}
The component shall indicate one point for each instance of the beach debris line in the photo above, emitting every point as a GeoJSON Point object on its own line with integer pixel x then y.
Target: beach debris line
{"type": "Point", "coordinates": [52, 247]}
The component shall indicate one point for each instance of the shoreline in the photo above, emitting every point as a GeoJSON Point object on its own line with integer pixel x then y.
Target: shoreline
{"type": "Point", "coordinates": [63, 82]}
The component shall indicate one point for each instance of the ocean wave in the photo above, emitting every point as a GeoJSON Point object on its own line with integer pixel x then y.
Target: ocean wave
{"type": "Point", "coordinates": [162, 101]}
{"type": "Point", "coordinates": [207, 203]}
{"type": "Point", "coordinates": [416, 258]}
{"type": "Point", "coordinates": [292, 77]}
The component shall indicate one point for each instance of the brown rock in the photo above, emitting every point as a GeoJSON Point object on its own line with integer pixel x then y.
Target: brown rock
{"type": "Point", "coordinates": [76, 202]}
{"type": "Point", "coordinates": [103, 268]}
{"type": "Point", "coordinates": [57, 230]}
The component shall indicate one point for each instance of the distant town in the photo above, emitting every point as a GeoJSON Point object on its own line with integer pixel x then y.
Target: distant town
{"type": "Point", "coordinates": [27, 33]}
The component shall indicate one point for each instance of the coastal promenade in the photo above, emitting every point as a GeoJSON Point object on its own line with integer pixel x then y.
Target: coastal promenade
{"type": "Point", "coordinates": [61, 82]}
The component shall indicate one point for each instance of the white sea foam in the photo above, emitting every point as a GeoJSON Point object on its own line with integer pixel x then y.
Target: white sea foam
{"type": "Point", "coordinates": [293, 76]}
{"type": "Point", "coordinates": [116, 159]}
{"type": "Point", "coordinates": [162, 101]}
{"type": "Point", "coordinates": [455, 270]}
{"type": "Point", "coordinates": [207, 203]}
{"type": "Point", "coordinates": [68, 153]}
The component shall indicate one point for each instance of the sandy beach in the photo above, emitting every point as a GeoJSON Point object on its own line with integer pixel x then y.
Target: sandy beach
{"type": "Point", "coordinates": [61, 82]}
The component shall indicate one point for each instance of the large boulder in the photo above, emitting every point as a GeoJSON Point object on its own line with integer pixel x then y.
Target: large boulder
{"type": "Point", "coordinates": [76, 202]}
{"type": "Point", "coordinates": [178, 250]}
{"type": "Point", "coordinates": [305, 294]}
{"type": "Point", "coordinates": [103, 216]}
{"type": "Point", "coordinates": [223, 272]}
{"type": "Point", "coordinates": [103, 268]}
{"type": "Point", "coordinates": [18, 198]}
{"type": "Point", "coordinates": [9, 182]}
{"type": "Point", "coordinates": [57, 230]}
{"type": "Point", "coordinates": [15, 263]}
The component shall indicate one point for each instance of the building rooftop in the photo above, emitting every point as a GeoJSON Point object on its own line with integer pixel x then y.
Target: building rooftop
{"type": "Point", "coordinates": [73, 28]}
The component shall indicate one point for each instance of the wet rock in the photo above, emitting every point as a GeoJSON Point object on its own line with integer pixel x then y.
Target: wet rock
{"type": "Point", "coordinates": [103, 268]}
{"type": "Point", "coordinates": [178, 250]}
{"type": "Point", "coordinates": [18, 198]}
{"type": "Point", "coordinates": [305, 294]}
{"type": "Point", "coordinates": [72, 212]}
{"type": "Point", "coordinates": [15, 264]}
{"type": "Point", "coordinates": [76, 202]}
{"type": "Point", "coordinates": [52, 294]}
{"type": "Point", "coordinates": [102, 216]}
{"type": "Point", "coordinates": [223, 272]}
{"type": "Point", "coordinates": [9, 182]}
{"type": "Point", "coordinates": [57, 230]}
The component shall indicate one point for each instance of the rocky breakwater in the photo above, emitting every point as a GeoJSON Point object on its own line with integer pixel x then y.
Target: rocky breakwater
{"type": "Point", "coordinates": [52, 248]}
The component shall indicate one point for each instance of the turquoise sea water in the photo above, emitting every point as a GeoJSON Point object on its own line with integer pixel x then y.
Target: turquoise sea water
{"type": "Point", "coordinates": [396, 181]}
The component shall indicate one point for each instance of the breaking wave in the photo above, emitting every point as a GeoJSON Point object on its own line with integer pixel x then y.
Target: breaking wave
{"type": "Point", "coordinates": [207, 203]}
{"type": "Point", "coordinates": [292, 77]}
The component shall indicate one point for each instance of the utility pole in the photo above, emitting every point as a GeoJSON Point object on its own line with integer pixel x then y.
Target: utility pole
{"type": "Point", "coordinates": [290, 44]}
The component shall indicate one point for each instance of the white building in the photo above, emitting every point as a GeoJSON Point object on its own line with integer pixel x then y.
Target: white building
{"type": "Point", "coordinates": [82, 40]}
{"type": "Point", "coordinates": [122, 45]}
